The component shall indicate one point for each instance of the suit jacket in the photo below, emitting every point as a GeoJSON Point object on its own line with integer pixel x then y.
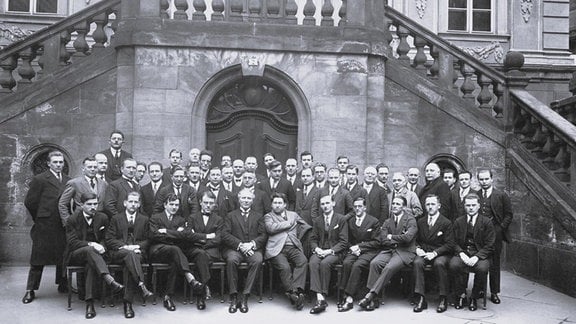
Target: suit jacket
{"type": "Point", "coordinates": [343, 203]}
{"type": "Point", "coordinates": [484, 236]}
{"type": "Point", "coordinates": [225, 200]}
{"type": "Point", "coordinates": [149, 197]}
{"type": "Point", "coordinates": [116, 192]}
{"type": "Point", "coordinates": [172, 235]}
{"type": "Point", "coordinates": [70, 198]}
{"type": "Point", "coordinates": [439, 238]}
{"type": "Point", "coordinates": [307, 206]}
{"type": "Point", "coordinates": [297, 181]}
{"type": "Point", "coordinates": [458, 203]}
{"type": "Point", "coordinates": [278, 230]}
{"type": "Point", "coordinates": [188, 200]}
{"type": "Point", "coordinates": [77, 231]}
{"type": "Point", "coordinates": [214, 225]}
{"type": "Point", "coordinates": [337, 238]}
{"type": "Point", "coordinates": [377, 203]}
{"type": "Point", "coordinates": [113, 172]}
{"type": "Point", "coordinates": [238, 229]}
{"type": "Point", "coordinates": [442, 190]}
{"type": "Point", "coordinates": [403, 239]}
{"type": "Point", "coordinates": [358, 191]}
{"type": "Point", "coordinates": [417, 190]}
{"type": "Point", "coordinates": [117, 234]}
{"type": "Point", "coordinates": [283, 186]}
{"type": "Point", "coordinates": [261, 203]}
{"type": "Point", "coordinates": [365, 235]}
{"type": "Point", "coordinates": [502, 210]}
{"type": "Point", "coordinates": [412, 201]}
{"type": "Point", "coordinates": [43, 195]}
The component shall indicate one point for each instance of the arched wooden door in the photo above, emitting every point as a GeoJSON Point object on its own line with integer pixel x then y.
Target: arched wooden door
{"type": "Point", "coordinates": [250, 118]}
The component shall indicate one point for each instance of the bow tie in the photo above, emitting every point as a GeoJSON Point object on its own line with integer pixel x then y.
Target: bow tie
{"type": "Point", "coordinates": [206, 214]}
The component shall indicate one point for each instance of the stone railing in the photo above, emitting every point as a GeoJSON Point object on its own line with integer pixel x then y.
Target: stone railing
{"type": "Point", "coordinates": [45, 51]}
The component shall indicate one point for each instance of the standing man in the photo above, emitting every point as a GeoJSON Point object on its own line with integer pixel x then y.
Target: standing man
{"type": "Point", "coordinates": [118, 190]}
{"type": "Point", "coordinates": [355, 189]}
{"type": "Point", "coordinates": [276, 183]}
{"type": "Point", "coordinates": [228, 178]}
{"type": "Point", "coordinates": [238, 167]}
{"type": "Point", "coordinates": [140, 173]}
{"type": "Point", "coordinates": [329, 242]}
{"type": "Point", "coordinates": [306, 160]}
{"type": "Point", "coordinates": [291, 175]}
{"type": "Point", "coordinates": [341, 196]}
{"type": "Point", "coordinates": [267, 158]}
{"type": "Point", "coordinates": [400, 189]}
{"type": "Point", "coordinates": [459, 194]}
{"type": "Point", "coordinates": [244, 238]}
{"type": "Point", "coordinates": [320, 175]}
{"type": "Point", "coordinates": [342, 162]}
{"type": "Point", "coordinates": [175, 158]}
{"type": "Point", "coordinates": [261, 201]}
{"type": "Point", "coordinates": [250, 165]}
{"type": "Point", "coordinates": [225, 201]}
{"type": "Point", "coordinates": [435, 185]}
{"type": "Point", "coordinates": [413, 178]}
{"type": "Point", "coordinates": [376, 198]}
{"type": "Point", "coordinates": [434, 245]}
{"type": "Point", "coordinates": [382, 177]}
{"type": "Point", "coordinates": [115, 155]}
{"type": "Point", "coordinates": [307, 199]}
{"type": "Point", "coordinates": [474, 244]}
{"type": "Point", "coordinates": [188, 202]}
{"type": "Point", "coordinates": [194, 178]}
{"type": "Point", "coordinates": [284, 249]}
{"type": "Point", "coordinates": [205, 165]}
{"type": "Point", "coordinates": [194, 156]}
{"type": "Point", "coordinates": [47, 233]}
{"type": "Point", "coordinates": [150, 190]}
{"type": "Point", "coordinates": [102, 161]}
{"type": "Point", "coordinates": [495, 205]}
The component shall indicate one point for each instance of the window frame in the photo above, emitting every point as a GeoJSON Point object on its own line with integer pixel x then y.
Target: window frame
{"type": "Point", "coordinates": [61, 9]}
{"type": "Point", "coordinates": [469, 18]}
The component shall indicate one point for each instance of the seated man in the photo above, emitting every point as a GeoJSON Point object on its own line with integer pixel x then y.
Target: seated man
{"type": "Point", "coordinates": [398, 244]}
{"type": "Point", "coordinates": [434, 242]}
{"type": "Point", "coordinates": [363, 231]}
{"type": "Point", "coordinates": [85, 231]}
{"type": "Point", "coordinates": [474, 242]}
{"type": "Point", "coordinates": [285, 250]}
{"type": "Point", "coordinates": [167, 231]}
{"type": "Point", "coordinates": [244, 237]}
{"type": "Point", "coordinates": [127, 243]}
{"type": "Point", "coordinates": [328, 241]}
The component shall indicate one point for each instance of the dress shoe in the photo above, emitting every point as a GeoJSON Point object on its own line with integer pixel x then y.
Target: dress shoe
{"type": "Point", "coordinates": [319, 307]}
{"type": "Point", "coordinates": [365, 302]}
{"type": "Point", "coordinates": [207, 292]}
{"type": "Point", "coordinates": [169, 305]}
{"type": "Point", "coordinates": [420, 305]}
{"type": "Point", "coordinates": [116, 287]}
{"type": "Point", "coordinates": [244, 304]}
{"type": "Point", "coordinates": [145, 292]}
{"type": "Point", "coordinates": [375, 303]}
{"type": "Point", "coordinates": [346, 307]}
{"type": "Point", "coordinates": [90, 311]}
{"type": "Point", "coordinates": [473, 305]}
{"type": "Point", "coordinates": [63, 288]}
{"type": "Point", "coordinates": [495, 299]}
{"type": "Point", "coordinates": [197, 286]}
{"type": "Point", "coordinates": [233, 304]}
{"type": "Point", "coordinates": [442, 305]}
{"type": "Point", "coordinates": [128, 311]}
{"type": "Point", "coordinates": [300, 301]}
{"type": "Point", "coordinates": [28, 297]}
{"type": "Point", "coordinates": [201, 302]}
{"type": "Point", "coordinates": [460, 303]}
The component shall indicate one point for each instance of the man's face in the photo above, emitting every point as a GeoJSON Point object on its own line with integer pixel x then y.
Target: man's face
{"type": "Point", "coordinates": [326, 204]}
{"type": "Point", "coordinates": [215, 177]}
{"type": "Point", "coordinates": [140, 172]}
{"type": "Point", "coordinates": [226, 160]}
{"type": "Point", "coordinates": [248, 179]}
{"type": "Point", "coordinates": [319, 173]}
{"type": "Point", "coordinates": [413, 175]}
{"type": "Point", "coordinates": [132, 203]}
{"type": "Point", "coordinates": [172, 206]}
{"type": "Point", "coordinates": [89, 207]}
{"type": "Point", "coordinates": [464, 180]}
{"type": "Point", "coordinates": [155, 172]}
{"type": "Point", "coordinates": [398, 181]}
{"type": "Point", "coordinates": [250, 164]}
{"type": "Point", "coordinates": [194, 174]}
{"type": "Point", "coordinates": [334, 178]}
{"type": "Point", "coordinates": [276, 173]}
{"type": "Point", "coordinates": [342, 164]}
{"type": "Point", "coordinates": [194, 155]}
{"type": "Point", "coordinates": [178, 177]}
{"type": "Point", "coordinates": [449, 178]}
{"type": "Point", "coordinates": [278, 205]}
{"type": "Point", "coordinates": [306, 161]}
{"type": "Point", "coordinates": [485, 179]}
{"type": "Point", "coordinates": [397, 206]}
{"type": "Point", "coordinates": [268, 159]}
{"type": "Point", "coordinates": [472, 206]}
{"type": "Point", "coordinates": [56, 163]}
{"type": "Point", "coordinates": [370, 175]}
{"type": "Point", "coordinates": [245, 199]}
{"type": "Point", "coordinates": [116, 141]}
{"type": "Point", "coordinates": [128, 169]}
{"type": "Point", "coordinates": [90, 169]}
{"type": "Point", "coordinates": [359, 208]}
{"type": "Point", "coordinates": [238, 167]}
{"type": "Point", "coordinates": [352, 176]}
{"type": "Point", "coordinates": [432, 172]}
{"type": "Point", "coordinates": [307, 177]}
{"type": "Point", "coordinates": [175, 159]}
{"type": "Point", "coordinates": [205, 162]}
{"type": "Point", "coordinates": [102, 161]}
{"type": "Point", "coordinates": [291, 167]}
{"type": "Point", "coordinates": [227, 174]}
{"type": "Point", "coordinates": [383, 174]}
{"type": "Point", "coordinates": [207, 204]}
{"type": "Point", "coordinates": [432, 205]}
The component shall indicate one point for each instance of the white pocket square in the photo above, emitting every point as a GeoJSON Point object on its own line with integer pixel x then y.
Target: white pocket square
{"type": "Point", "coordinates": [102, 228]}
{"type": "Point", "coordinates": [369, 230]}
{"type": "Point", "coordinates": [439, 233]}
{"type": "Point", "coordinates": [335, 227]}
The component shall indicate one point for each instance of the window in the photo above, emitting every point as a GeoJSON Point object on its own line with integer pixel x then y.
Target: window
{"type": "Point", "coordinates": [33, 6]}
{"type": "Point", "coordinates": [470, 15]}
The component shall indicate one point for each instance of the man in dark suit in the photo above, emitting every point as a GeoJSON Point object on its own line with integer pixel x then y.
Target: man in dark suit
{"type": "Point", "coordinates": [436, 186]}
{"type": "Point", "coordinates": [175, 158]}
{"type": "Point", "coordinates": [188, 201]}
{"type": "Point", "coordinates": [118, 190]}
{"type": "Point", "coordinates": [342, 163]}
{"type": "Point", "coordinates": [328, 242]}
{"type": "Point", "coordinates": [85, 232]}
{"type": "Point", "coordinates": [474, 244]}
{"type": "Point", "coordinates": [398, 244]}
{"type": "Point", "coordinates": [261, 202]}
{"type": "Point", "coordinates": [363, 231]}
{"type": "Point", "coordinates": [319, 169]}
{"type": "Point", "coordinates": [342, 198]}
{"type": "Point", "coordinates": [225, 200]}
{"type": "Point", "coordinates": [205, 165]}
{"type": "Point", "coordinates": [496, 206]}
{"type": "Point", "coordinates": [434, 242]}
{"type": "Point", "coordinates": [115, 155]}
{"type": "Point", "coordinates": [413, 176]}
{"type": "Point", "coordinates": [238, 167]}
{"type": "Point", "coordinates": [194, 178]}
{"type": "Point", "coordinates": [87, 182]}
{"type": "Point", "coordinates": [382, 171]}
{"type": "Point", "coordinates": [228, 179]}
{"type": "Point", "coordinates": [356, 190]}
{"type": "Point", "coordinates": [48, 235]}
{"type": "Point", "coordinates": [376, 198]}
{"type": "Point", "coordinates": [127, 243]}
{"type": "Point", "coordinates": [458, 194]}
{"type": "Point", "coordinates": [291, 174]}
{"type": "Point", "coordinates": [102, 162]}
{"type": "Point", "coordinates": [244, 238]}
{"type": "Point", "coordinates": [167, 233]}
{"type": "Point", "coordinates": [450, 176]}
{"type": "Point", "coordinates": [307, 197]}
{"type": "Point", "coordinates": [250, 165]}
{"type": "Point", "coordinates": [276, 183]}
{"type": "Point", "coordinates": [151, 189]}
{"type": "Point", "coordinates": [284, 249]}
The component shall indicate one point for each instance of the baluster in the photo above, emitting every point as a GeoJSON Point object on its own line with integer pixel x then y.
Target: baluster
{"type": "Point", "coordinates": [64, 56]}
{"type": "Point", "coordinates": [342, 14]}
{"type": "Point", "coordinates": [99, 35]}
{"type": "Point", "coordinates": [541, 139]}
{"type": "Point", "coordinates": [527, 132]}
{"type": "Point", "coordinates": [199, 9]}
{"type": "Point", "coordinates": [309, 11]}
{"type": "Point", "coordinates": [550, 150]}
{"type": "Point", "coordinates": [435, 67]}
{"type": "Point", "coordinates": [236, 10]}
{"type": "Point", "coordinates": [499, 105]}
{"type": "Point", "coordinates": [403, 46]}
{"type": "Point", "coordinates": [164, 6]}
{"type": "Point", "coordinates": [80, 44]}
{"type": "Point", "coordinates": [181, 8]}
{"type": "Point", "coordinates": [254, 9]}
{"type": "Point", "coordinates": [467, 86]}
{"type": "Point", "coordinates": [563, 161]}
{"type": "Point", "coordinates": [273, 11]}
{"type": "Point", "coordinates": [326, 11]}
{"type": "Point", "coordinates": [218, 8]}
{"type": "Point", "coordinates": [290, 12]}
{"type": "Point", "coordinates": [484, 96]}
{"type": "Point", "coordinates": [455, 76]}
{"type": "Point", "coordinates": [519, 120]}
{"type": "Point", "coordinates": [388, 38]}
{"type": "Point", "coordinates": [25, 70]}
{"type": "Point", "coordinates": [538, 140]}
{"type": "Point", "coordinates": [40, 61]}
{"type": "Point", "coordinates": [420, 57]}
{"type": "Point", "coordinates": [7, 81]}
{"type": "Point", "coordinates": [116, 12]}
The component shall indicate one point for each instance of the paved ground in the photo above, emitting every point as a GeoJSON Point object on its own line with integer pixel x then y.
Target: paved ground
{"type": "Point", "coordinates": [522, 302]}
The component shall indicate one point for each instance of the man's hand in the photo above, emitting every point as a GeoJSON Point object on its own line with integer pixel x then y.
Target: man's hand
{"type": "Point", "coordinates": [473, 260]}
{"type": "Point", "coordinates": [180, 229]}
{"type": "Point", "coordinates": [98, 247]}
{"type": "Point", "coordinates": [162, 231]}
{"type": "Point", "coordinates": [430, 256]}
{"type": "Point", "coordinates": [210, 236]}
{"type": "Point", "coordinates": [420, 252]}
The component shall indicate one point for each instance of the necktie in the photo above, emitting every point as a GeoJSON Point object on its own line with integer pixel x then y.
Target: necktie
{"type": "Point", "coordinates": [332, 191]}
{"type": "Point", "coordinates": [272, 184]}
{"type": "Point", "coordinates": [245, 214]}
{"type": "Point", "coordinates": [170, 218]}
{"type": "Point", "coordinates": [59, 176]}
{"type": "Point", "coordinates": [130, 183]}
{"type": "Point", "coordinates": [470, 221]}
{"type": "Point", "coordinates": [178, 191]}
{"type": "Point", "coordinates": [326, 223]}
{"type": "Point", "coordinates": [358, 221]}
{"type": "Point", "coordinates": [484, 194]}
{"type": "Point", "coordinates": [155, 187]}
{"type": "Point", "coordinates": [117, 155]}
{"type": "Point", "coordinates": [396, 219]}
{"type": "Point", "coordinates": [131, 220]}
{"type": "Point", "coordinates": [92, 183]}
{"type": "Point", "coordinates": [430, 219]}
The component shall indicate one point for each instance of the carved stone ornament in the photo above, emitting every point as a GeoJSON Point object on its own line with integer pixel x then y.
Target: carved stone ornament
{"type": "Point", "coordinates": [421, 7]}
{"type": "Point", "coordinates": [13, 33]}
{"type": "Point", "coordinates": [526, 9]}
{"type": "Point", "coordinates": [483, 53]}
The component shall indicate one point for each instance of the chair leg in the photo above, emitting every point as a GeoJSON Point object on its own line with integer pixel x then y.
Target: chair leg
{"type": "Point", "coordinates": [222, 284]}
{"type": "Point", "coordinates": [270, 281]}
{"type": "Point", "coordinates": [186, 298]}
{"type": "Point", "coordinates": [261, 285]}
{"type": "Point", "coordinates": [103, 293]}
{"type": "Point", "coordinates": [69, 289]}
{"type": "Point", "coordinates": [154, 285]}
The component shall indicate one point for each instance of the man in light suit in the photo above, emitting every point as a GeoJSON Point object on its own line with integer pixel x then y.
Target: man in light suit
{"type": "Point", "coordinates": [342, 198]}
{"type": "Point", "coordinates": [400, 189]}
{"type": "Point", "coordinates": [47, 233]}
{"type": "Point", "coordinates": [413, 176]}
{"type": "Point", "coordinates": [284, 249]}
{"type": "Point", "coordinates": [376, 198]}
{"type": "Point", "coordinates": [398, 241]}
{"type": "Point", "coordinates": [115, 155]}
{"type": "Point", "coordinates": [276, 183]}
{"type": "Point", "coordinates": [187, 196]}
{"type": "Point", "coordinates": [118, 190]}
{"type": "Point", "coordinates": [307, 197]}
{"type": "Point", "coordinates": [87, 182]}
{"type": "Point", "coordinates": [495, 205]}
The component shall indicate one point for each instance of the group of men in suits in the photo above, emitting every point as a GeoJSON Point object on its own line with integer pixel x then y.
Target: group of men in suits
{"type": "Point", "coordinates": [305, 222]}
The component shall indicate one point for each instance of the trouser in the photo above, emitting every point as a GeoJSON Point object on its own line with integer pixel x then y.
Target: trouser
{"type": "Point", "coordinates": [382, 268]}
{"type": "Point", "coordinates": [35, 275]}
{"type": "Point", "coordinates": [292, 266]}
{"type": "Point", "coordinates": [320, 272]}
{"type": "Point", "coordinates": [95, 267]}
{"type": "Point", "coordinates": [133, 271]}
{"type": "Point", "coordinates": [459, 271]}
{"type": "Point", "coordinates": [233, 259]}
{"type": "Point", "coordinates": [353, 268]}
{"type": "Point", "coordinates": [202, 261]}
{"type": "Point", "coordinates": [494, 273]}
{"type": "Point", "coordinates": [440, 266]}
{"type": "Point", "coordinates": [173, 255]}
